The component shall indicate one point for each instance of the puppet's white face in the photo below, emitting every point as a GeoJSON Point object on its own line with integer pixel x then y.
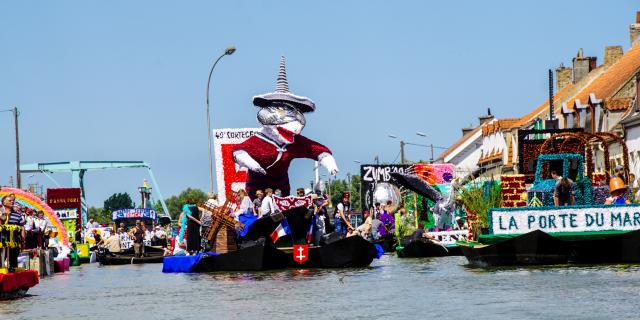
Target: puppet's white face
{"type": "Point", "coordinates": [282, 122]}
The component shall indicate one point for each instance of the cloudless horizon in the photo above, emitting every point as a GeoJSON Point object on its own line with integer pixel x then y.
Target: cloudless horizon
{"type": "Point", "coordinates": [124, 80]}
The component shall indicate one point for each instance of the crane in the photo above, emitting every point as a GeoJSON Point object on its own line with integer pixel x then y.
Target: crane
{"type": "Point", "coordinates": [79, 168]}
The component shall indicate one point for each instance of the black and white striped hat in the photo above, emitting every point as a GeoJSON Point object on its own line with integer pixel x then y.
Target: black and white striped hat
{"type": "Point", "coordinates": [283, 95]}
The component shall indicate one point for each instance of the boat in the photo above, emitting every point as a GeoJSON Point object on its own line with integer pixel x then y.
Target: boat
{"type": "Point", "coordinates": [14, 284]}
{"type": "Point", "coordinates": [260, 256]}
{"type": "Point", "coordinates": [106, 258]}
{"type": "Point", "coordinates": [349, 252]}
{"type": "Point", "coordinates": [539, 234]}
{"type": "Point", "coordinates": [424, 248]}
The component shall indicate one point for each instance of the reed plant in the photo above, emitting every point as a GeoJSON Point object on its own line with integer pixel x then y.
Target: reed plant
{"type": "Point", "coordinates": [478, 198]}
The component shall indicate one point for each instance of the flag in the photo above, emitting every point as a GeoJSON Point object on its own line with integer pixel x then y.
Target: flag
{"type": "Point", "coordinates": [280, 231]}
{"type": "Point", "coordinates": [310, 230]}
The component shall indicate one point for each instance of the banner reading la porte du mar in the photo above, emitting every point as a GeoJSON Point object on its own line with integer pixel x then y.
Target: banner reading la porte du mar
{"type": "Point", "coordinates": [565, 219]}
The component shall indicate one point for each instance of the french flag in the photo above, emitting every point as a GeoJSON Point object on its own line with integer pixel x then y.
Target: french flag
{"type": "Point", "coordinates": [281, 231]}
{"type": "Point", "coordinates": [310, 230]}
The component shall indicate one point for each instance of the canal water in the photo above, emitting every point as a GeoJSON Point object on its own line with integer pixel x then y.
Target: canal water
{"type": "Point", "coordinates": [392, 288]}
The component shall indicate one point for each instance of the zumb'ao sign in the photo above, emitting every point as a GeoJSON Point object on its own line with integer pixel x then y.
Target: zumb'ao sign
{"type": "Point", "coordinates": [565, 219]}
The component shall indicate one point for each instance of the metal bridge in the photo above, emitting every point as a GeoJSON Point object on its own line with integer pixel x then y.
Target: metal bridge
{"type": "Point", "coordinates": [79, 168]}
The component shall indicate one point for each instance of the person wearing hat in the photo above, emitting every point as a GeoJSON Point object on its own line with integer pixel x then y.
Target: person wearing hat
{"type": "Point", "coordinates": [269, 152]}
{"type": "Point", "coordinates": [618, 190]}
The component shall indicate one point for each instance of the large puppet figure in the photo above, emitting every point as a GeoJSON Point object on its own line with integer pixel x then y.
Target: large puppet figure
{"type": "Point", "coordinates": [269, 153]}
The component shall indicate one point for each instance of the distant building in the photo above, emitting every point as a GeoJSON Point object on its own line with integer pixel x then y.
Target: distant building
{"type": "Point", "coordinates": [589, 98]}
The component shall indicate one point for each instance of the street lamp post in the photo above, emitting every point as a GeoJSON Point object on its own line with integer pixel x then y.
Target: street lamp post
{"type": "Point", "coordinates": [227, 52]}
{"type": "Point", "coordinates": [15, 112]}
{"type": "Point", "coordinates": [402, 143]}
{"type": "Point", "coordinates": [424, 135]}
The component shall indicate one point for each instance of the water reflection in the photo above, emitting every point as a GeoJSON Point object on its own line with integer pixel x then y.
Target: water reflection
{"type": "Point", "coordinates": [390, 288]}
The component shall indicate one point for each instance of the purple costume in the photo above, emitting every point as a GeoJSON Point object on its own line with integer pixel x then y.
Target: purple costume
{"type": "Point", "coordinates": [387, 220]}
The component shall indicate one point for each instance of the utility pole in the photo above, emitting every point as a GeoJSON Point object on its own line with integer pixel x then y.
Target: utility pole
{"type": "Point", "coordinates": [15, 119]}
{"type": "Point", "coordinates": [431, 152]}
{"type": "Point", "coordinates": [402, 151]}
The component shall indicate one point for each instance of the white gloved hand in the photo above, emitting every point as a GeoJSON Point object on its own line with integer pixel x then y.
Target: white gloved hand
{"type": "Point", "coordinates": [329, 162]}
{"type": "Point", "coordinates": [243, 159]}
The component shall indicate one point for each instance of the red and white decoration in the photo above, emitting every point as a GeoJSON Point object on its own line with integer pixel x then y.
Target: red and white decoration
{"type": "Point", "coordinates": [229, 175]}
{"type": "Point", "coordinates": [286, 203]}
{"type": "Point", "coordinates": [300, 253]}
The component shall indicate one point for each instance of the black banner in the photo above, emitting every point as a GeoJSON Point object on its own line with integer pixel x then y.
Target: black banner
{"type": "Point", "coordinates": [371, 175]}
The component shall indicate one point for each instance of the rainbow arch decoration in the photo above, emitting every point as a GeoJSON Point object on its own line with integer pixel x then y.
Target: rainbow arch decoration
{"type": "Point", "coordinates": [32, 201]}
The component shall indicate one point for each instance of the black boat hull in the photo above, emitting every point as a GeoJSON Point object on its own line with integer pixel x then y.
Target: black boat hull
{"type": "Point", "coordinates": [539, 248]}
{"type": "Point", "coordinates": [121, 259]}
{"type": "Point", "coordinates": [350, 252]}
{"type": "Point", "coordinates": [426, 248]}
{"type": "Point", "coordinates": [259, 257]}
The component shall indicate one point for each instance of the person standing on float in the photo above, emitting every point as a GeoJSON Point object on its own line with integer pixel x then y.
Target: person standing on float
{"type": "Point", "coordinates": [269, 152]}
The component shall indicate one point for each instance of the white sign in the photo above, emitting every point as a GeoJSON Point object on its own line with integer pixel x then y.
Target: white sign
{"type": "Point", "coordinates": [566, 219]}
{"type": "Point", "coordinates": [65, 214]}
{"type": "Point", "coordinates": [228, 175]}
{"type": "Point", "coordinates": [449, 237]}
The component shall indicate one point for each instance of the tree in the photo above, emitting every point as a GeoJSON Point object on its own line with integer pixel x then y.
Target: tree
{"type": "Point", "coordinates": [99, 215]}
{"type": "Point", "coordinates": [175, 203]}
{"type": "Point", "coordinates": [339, 186]}
{"type": "Point", "coordinates": [118, 201]}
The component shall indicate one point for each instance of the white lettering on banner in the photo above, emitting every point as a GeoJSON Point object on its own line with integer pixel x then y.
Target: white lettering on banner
{"type": "Point", "coordinates": [449, 237]}
{"type": "Point", "coordinates": [621, 218]}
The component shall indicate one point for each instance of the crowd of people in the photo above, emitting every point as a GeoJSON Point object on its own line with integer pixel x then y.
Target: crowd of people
{"type": "Point", "coordinates": [36, 230]}
{"type": "Point", "coordinates": [623, 189]}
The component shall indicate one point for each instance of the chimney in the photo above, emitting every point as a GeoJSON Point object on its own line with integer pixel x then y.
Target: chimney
{"type": "Point", "coordinates": [563, 77]}
{"type": "Point", "coordinates": [582, 66]}
{"type": "Point", "coordinates": [487, 117]}
{"type": "Point", "coordinates": [634, 29]}
{"type": "Point", "coordinates": [612, 54]}
{"type": "Point", "coordinates": [467, 130]}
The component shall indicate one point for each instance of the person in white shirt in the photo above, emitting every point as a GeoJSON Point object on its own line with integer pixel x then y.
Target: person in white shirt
{"type": "Point", "coordinates": [89, 224]}
{"type": "Point", "coordinates": [267, 207]}
{"type": "Point", "coordinates": [245, 204]}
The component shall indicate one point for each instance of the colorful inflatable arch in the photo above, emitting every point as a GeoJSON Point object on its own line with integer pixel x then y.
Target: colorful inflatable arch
{"type": "Point", "coordinates": [32, 201]}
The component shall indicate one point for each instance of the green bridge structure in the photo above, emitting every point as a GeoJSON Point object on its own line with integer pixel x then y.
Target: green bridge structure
{"type": "Point", "coordinates": [79, 168]}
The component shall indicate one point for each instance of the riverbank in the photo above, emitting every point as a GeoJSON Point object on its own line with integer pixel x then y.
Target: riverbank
{"type": "Point", "coordinates": [391, 288]}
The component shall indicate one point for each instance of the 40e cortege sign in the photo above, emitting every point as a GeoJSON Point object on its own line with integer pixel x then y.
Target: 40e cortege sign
{"type": "Point", "coordinates": [565, 219]}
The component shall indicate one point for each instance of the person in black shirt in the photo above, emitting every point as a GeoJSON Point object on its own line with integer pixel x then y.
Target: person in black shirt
{"type": "Point", "coordinates": [137, 233]}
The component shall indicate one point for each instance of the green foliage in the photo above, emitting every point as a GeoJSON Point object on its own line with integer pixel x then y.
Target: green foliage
{"type": "Point", "coordinates": [479, 198]}
{"type": "Point", "coordinates": [100, 215]}
{"type": "Point", "coordinates": [175, 203]}
{"type": "Point", "coordinates": [338, 186]}
{"type": "Point", "coordinates": [118, 201]}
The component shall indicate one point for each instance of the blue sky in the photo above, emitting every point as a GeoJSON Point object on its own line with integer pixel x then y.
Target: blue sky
{"type": "Point", "coordinates": [125, 80]}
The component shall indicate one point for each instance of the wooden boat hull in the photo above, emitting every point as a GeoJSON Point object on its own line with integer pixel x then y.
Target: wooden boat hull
{"type": "Point", "coordinates": [540, 248]}
{"type": "Point", "coordinates": [255, 258]}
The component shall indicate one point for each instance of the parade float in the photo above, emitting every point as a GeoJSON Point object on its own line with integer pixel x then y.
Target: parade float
{"type": "Point", "coordinates": [128, 218]}
{"type": "Point", "coordinates": [264, 156]}
{"type": "Point", "coordinates": [432, 197]}
{"type": "Point", "coordinates": [15, 283]}
{"type": "Point", "coordinates": [530, 230]}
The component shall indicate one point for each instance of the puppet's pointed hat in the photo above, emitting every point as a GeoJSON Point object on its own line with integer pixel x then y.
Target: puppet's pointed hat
{"type": "Point", "coordinates": [282, 94]}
